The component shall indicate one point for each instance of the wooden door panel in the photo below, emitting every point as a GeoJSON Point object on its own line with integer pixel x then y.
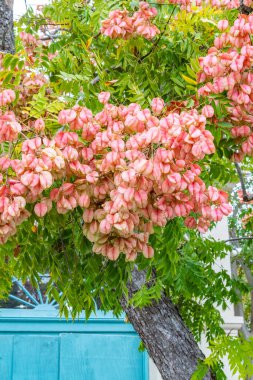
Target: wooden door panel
{"type": "Point", "coordinates": [6, 350]}
{"type": "Point", "coordinates": [101, 357]}
{"type": "Point", "coordinates": [35, 357]}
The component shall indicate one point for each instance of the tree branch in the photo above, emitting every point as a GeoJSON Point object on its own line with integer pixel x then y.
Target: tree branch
{"type": "Point", "coordinates": [239, 238]}
{"type": "Point", "coordinates": [246, 197]}
{"type": "Point", "coordinates": [244, 9]}
{"type": "Point", "coordinates": [158, 39]}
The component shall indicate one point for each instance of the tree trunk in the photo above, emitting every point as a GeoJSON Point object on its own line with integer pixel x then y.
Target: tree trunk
{"type": "Point", "coordinates": [6, 27]}
{"type": "Point", "coordinates": [167, 339]}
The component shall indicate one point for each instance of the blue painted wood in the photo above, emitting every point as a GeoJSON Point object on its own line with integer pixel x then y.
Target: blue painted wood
{"type": "Point", "coordinates": [21, 301]}
{"type": "Point", "coordinates": [6, 349]}
{"type": "Point", "coordinates": [59, 326]}
{"type": "Point", "coordinates": [41, 346]}
{"type": "Point", "coordinates": [97, 357]}
{"type": "Point", "coordinates": [27, 293]}
{"type": "Point", "coordinates": [54, 313]}
{"type": "Point", "coordinates": [35, 357]}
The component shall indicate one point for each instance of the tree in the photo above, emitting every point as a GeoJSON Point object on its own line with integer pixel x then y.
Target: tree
{"type": "Point", "coordinates": [6, 28]}
{"type": "Point", "coordinates": [72, 171]}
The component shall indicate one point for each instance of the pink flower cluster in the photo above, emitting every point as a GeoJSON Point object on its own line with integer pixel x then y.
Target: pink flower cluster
{"type": "Point", "coordinates": [136, 169]}
{"type": "Point", "coordinates": [30, 43]}
{"type": "Point", "coordinates": [28, 39]}
{"type": "Point", "coordinates": [12, 213]}
{"type": "Point", "coordinates": [228, 69]}
{"type": "Point", "coordinates": [121, 25]}
{"type": "Point", "coordinates": [9, 127]}
{"type": "Point", "coordinates": [6, 97]}
{"type": "Point", "coordinates": [30, 83]}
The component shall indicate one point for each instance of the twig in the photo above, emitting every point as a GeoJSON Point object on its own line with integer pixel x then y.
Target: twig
{"type": "Point", "coordinates": [237, 239]}
{"type": "Point", "coordinates": [97, 35]}
{"type": "Point", "coordinates": [95, 80]}
{"type": "Point", "coordinates": [50, 38]}
{"type": "Point", "coordinates": [160, 3]}
{"type": "Point", "coordinates": [51, 35]}
{"type": "Point", "coordinates": [159, 38]}
{"type": "Point", "coordinates": [246, 197]}
{"type": "Point", "coordinates": [54, 24]}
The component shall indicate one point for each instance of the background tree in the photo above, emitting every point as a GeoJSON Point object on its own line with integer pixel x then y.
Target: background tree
{"type": "Point", "coordinates": [6, 28]}
{"type": "Point", "coordinates": [79, 63]}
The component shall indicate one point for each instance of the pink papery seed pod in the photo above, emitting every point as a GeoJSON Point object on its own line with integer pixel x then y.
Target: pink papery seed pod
{"type": "Point", "coordinates": [31, 145]}
{"type": "Point", "coordinates": [104, 97]}
{"type": "Point", "coordinates": [70, 154]}
{"type": "Point", "coordinates": [105, 227]}
{"type": "Point", "coordinates": [88, 215]}
{"type": "Point", "coordinates": [190, 222]}
{"type": "Point", "coordinates": [41, 209]}
{"type": "Point", "coordinates": [66, 116]}
{"type": "Point", "coordinates": [242, 131]}
{"type": "Point", "coordinates": [6, 97]}
{"type": "Point", "coordinates": [84, 200]}
{"type": "Point", "coordinates": [39, 125]}
{"type": "Point", "coordinates": [85, 115]}
{"type": "Point", "coordinates": [17, 188]}
{"type": "Point", "coordinates": [87, 154]}
{"type": "Point", "coordinates": [213, 193]}
{"type": "Point", "coordinates": [148, 251]}
{"type": "Point", "coordinates": [5, 163]}
{"type": "Point", "coordinates": [223, 25]}
{"type": "Point", "coordinates": [112, 252]}
{"type": "Point", "coordinates": [226, 209]}
{"type": "Point", "coordinates": [208, 111]}
{"type": "Point", "coordinates": [157, 105]}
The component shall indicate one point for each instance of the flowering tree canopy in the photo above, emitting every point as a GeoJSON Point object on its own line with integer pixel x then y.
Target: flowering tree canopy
{"type": "Point", "coordinates": [120, 124]}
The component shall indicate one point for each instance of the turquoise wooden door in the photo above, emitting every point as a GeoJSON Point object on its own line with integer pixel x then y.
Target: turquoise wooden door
{"type": "Point", "coordinates": [37, 345]}
{"type": "Point", "coordinates": [46, 348]}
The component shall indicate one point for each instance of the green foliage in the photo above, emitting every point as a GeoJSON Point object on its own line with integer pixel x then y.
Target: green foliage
{"type": "Point", "coordinates": [79, 278]}
{"type": "Point", "coordinates": [238, 351]}
{"type": "Point", "coordinates": [200, 372]}
{"type": "Point", "coordinates": [168, 70]}
{"type": "Point", "coordinates": [216, 369]}
{"type": "Point", "coordinates": [134, 70]}
{"type": "Point", "coordinates": [5, 277]}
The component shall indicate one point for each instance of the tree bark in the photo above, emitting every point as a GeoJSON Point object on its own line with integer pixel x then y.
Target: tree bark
{"type": "Point", "coordinates": [6, 27]}
{"type": "Point", "coordinates": [167, 339]}
{"type": "Point", "coordinates": [244, 9]}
